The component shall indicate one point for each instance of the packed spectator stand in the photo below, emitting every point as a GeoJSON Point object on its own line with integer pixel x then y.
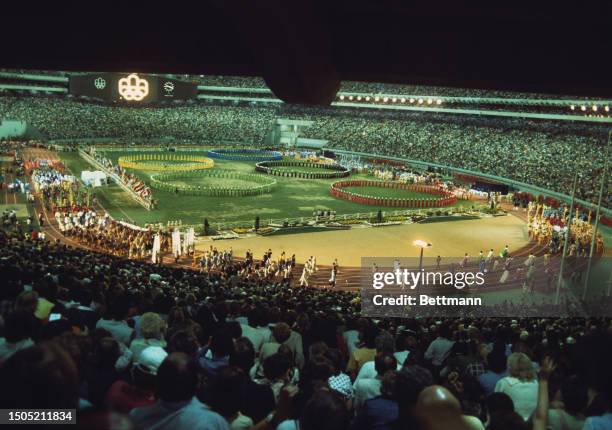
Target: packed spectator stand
{"type": "Point", "coordinates": [540, 153]}
{"type": "Point", "coordinates": [174, 348]}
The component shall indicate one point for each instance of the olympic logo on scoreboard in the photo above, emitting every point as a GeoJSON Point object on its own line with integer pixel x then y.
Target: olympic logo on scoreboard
{"type": "Point", "coordinates": [169, 87]}
{"type": "Point", "coordinates": [133, 87]}
{"type": "Point", "coordinates": [100, 83]}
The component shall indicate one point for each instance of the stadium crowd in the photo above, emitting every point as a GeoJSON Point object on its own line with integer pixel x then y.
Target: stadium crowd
{"type": "Point", "coordinates": [168, 348]}
{"type": "Point", "coordinates": [538, 153]}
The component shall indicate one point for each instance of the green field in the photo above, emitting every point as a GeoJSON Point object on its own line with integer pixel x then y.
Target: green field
{"type": "Point", "coordinates": [292, 198]}
{"type": "Point", "coordinates": [392, 193]}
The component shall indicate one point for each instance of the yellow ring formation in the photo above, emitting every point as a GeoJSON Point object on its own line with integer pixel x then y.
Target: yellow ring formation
{"type": "Point", "coordinates": [165, 162]}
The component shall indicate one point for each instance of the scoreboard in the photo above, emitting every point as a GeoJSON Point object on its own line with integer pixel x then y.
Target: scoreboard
{"type": "Point", "coordinates": [132, 88]}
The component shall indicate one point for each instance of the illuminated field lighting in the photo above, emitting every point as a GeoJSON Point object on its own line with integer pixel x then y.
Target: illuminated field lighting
{"type": "Point", "coordinates": [429, 101]}
{"type": "Point", "coordinates": [594, 108]}
{"type": "Point", "coordinates": [572, 107]}
{"type": "Point", "coordinates": [350, 97]}
{"type": "Point", "coordinates": [439, 101]}
{"type": "Point", "coordinates": [359, 98]}
{"type": "Point", "coordinates": [394, 100]}
{"type": "Point", "coordinates": [582, 108]}
{"type": "Point", "coordinates": [367, 99]}
{"type": "Point", "coordinates": [133, 87]}
{"type": "Point", "coordinates": [411, 100]}
{"type": "Point", "coordinates": [607, 108]}
{"type": "Point", "coordinates": [376, 98]}
{"type": "Point", "coordinates": [403, 100]}
{"type": "Point", "coordinates": [421, 243]}
{"type": "Point", "coordinates": [341, 97]}
{"type": "Point", "coordinates": [420, 101]}
{"type": "Point", "coordinates": [386, 99]}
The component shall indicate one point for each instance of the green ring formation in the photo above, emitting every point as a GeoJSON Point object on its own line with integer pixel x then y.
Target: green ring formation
{"type": "Point", "coordinates": [327, 170]}
{"type": "Point", "coordinates": [261, 185]}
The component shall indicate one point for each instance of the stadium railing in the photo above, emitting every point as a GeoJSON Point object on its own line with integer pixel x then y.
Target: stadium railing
{"type": "Point", "coordinates": [144, 203]}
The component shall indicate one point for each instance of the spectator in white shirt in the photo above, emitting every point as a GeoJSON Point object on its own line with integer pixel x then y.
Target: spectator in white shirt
{"type": "Point", "coordinates": [368, 388]}
{"type": "Point", "coordinates": [521, 385]}
{"type": "Point", "coordinates": [384, 344]}
{"type": "Point", "coordinates": [152, 328]}
{"type": "Point", "coordinates": [115, 322]}
{"type": "Point", "coordinates": [256, 335]}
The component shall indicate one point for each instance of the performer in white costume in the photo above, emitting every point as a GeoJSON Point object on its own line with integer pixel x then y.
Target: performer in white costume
{"type": "Point", "coordinates": [156, 249]}
{"type": "Point", "coordinates": [189, 241]}
{"type": "Point", "coordinates": [176, 244]}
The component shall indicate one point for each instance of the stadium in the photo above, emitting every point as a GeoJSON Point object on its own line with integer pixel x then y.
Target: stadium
{"type": "Point", "coordinates": [185, 250]}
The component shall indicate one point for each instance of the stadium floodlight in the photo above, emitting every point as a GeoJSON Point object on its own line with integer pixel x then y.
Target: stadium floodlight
{"type": "Point", "coordinates": [583, 108]}
{"type": "Point", "coordinates": [358, 98]}
{"type": "Point", "coordinates": [367, 99]}
{"type": "Point", "coordinates": [421, 244]}
{"type": "Point", "coordinates": [394, 100]}
{"type": "Point", "coordinates": [411, 100]}
{"type": "Point", "coordinates": [351, 98]}
{"type": "Point", "coordinates": [341, 97]}
{"type": "Point", "coordinates": [386, 99]}
{"type": "Point", "coordinates": [429, 101]}
{"type": "Point", "coordinates": [572, 107]}
{"type": "Point", "coordinates": [439, 101]}
{"type": "Point", "coordinates": [607, 108]}
{"type": "Point", "coordinates": [376, 98]}
{"type": "Point", "coordinates": [420, 101]}
{"type": "Point", "coordinates": [403, 100]}
{"type": "Point", "coordinates": [594, 108]}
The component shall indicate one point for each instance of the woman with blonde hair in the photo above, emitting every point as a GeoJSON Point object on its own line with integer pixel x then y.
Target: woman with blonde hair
{"type": "Point", "coordinates": [521, 384]}
{"type": "Point", "coordinates": [152, 329]}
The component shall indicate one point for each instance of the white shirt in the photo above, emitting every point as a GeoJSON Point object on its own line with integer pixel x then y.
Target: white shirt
{"type": "Point", "coordinates": [368, 371]}
{"type": "Point", "coordinates": [119, 329]}
{"type": "Point", "coordinates": [365, 389]}
{"type": "Point", "coordinates": [256, 336]}
{"type": "Point", "coordinates": [524, 394]}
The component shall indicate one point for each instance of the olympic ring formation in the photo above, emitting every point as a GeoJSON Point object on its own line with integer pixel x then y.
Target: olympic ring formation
{"type": "Point", "coordinates": [245, 154]}
{"type": "Point", "coordinates": [165, 162]}
{"type": "Point", "coordinates": [260, 184]}
{"type": "Point", "coordinates": [326, 170]}
{"type": "Point", "coordinates": [439, 197]}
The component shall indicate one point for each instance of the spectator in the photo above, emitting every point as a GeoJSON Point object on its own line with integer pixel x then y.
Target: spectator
{"type": "Point", "coordinates": [496, 369]}
{"type": "Point", "coordinates": [177, 407]}
{"type": "Point", "coordinates": [151, 329]}
{"type": "Point", "coordinates": [257, 400]}
{"type": "Point", "coordinates": [368, 388]}
{"type": "Point", "coordinates": [123, 396]}
{"type": "Point", "coordinates": [18, 333]}
{"type": "Point", "coordinates": [217, 354]}
{"type": "Point", "coordinates": [521, 384]}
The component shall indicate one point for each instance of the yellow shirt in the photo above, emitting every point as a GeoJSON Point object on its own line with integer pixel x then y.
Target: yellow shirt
{"type": "Point", "coordinates": [43, 308]}
{"type": "Point", "coordinates": [358, 357]}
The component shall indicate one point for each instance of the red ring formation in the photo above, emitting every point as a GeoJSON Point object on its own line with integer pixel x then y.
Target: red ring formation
{"type": "Point", "coordinates": [439, 198]}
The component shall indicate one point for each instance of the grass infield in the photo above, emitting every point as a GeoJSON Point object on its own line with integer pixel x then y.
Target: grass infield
{"type": "Point", "coordinates": [292, 198]}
